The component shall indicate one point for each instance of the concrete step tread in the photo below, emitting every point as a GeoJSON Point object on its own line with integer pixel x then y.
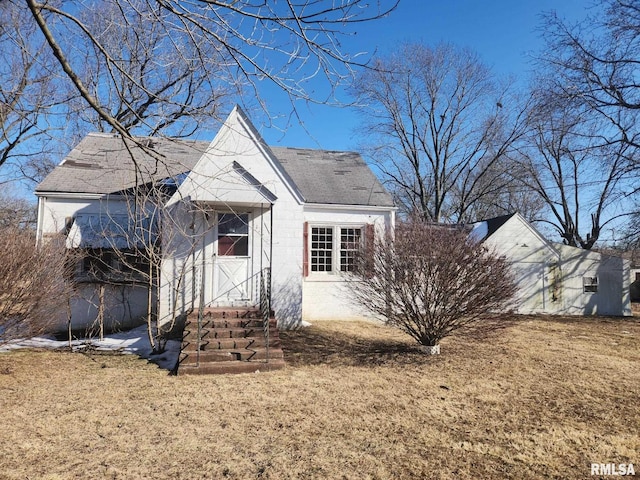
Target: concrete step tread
{"type": "Point", "coordinates": [225, 333]}
{"type": "Point", "coordinates": [231, 344]}
{"type": "Point", "coordinates": [246, 354]}
{"type": "Point", "coordinates": [229, 312]}
{"type": "Point", "coordinates": [228, 322]}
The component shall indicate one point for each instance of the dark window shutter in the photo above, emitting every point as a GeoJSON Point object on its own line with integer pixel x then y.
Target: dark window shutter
{"type": "Point", "coordinates": [369, 244]}
{"type": "Point", "coordinates": [305, 250]}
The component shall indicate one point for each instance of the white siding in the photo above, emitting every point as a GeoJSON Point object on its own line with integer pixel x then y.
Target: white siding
{"type": "Point", "coordinates": [54, 211]}
{"type": "Point", "coordinates": [327, 296]}
{"type": "Point", "coordinates": [236, 142]}
{"type": "Point", "coordinates": [124, 306]}
{"type": "Point", "coordinates": [550, 276]}
{"type": "Point", "coordinates": [531, 259]}
{"type": "Point", "coordinates": [612, 296]}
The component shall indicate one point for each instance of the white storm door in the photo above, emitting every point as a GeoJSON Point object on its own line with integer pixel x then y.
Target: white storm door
{"type": "Point", "coordinates": [232, 259]}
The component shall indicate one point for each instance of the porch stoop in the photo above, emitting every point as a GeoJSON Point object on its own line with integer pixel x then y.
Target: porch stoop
{"type": "Point", "coordinates": [231, 341]}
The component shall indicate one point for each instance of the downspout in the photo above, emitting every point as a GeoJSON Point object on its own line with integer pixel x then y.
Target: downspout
{"type": "Point", "coordinates": [193, 260]}
{"type": "Point", "coordinates": [39, 232]}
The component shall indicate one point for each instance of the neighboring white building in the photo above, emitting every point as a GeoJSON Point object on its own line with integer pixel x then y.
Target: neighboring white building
{"type": "Point", "coordinates": [231, 210]}
{"type": "Point", "coordinates": [555, 278]}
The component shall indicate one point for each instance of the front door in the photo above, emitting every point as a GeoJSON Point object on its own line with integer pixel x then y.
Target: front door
{"type": "Point", "coordinates": [232, 259]}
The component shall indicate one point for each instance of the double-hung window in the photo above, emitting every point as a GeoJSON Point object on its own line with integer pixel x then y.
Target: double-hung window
{"type": "Point", "coordinates": [350, 245]}
{"type": "Point", "coordinates": [334, 248]}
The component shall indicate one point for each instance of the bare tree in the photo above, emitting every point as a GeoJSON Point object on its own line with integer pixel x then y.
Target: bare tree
{"type": "Point", "coordinates": [144, 80]}
{"type": "Point", "coordinates": [596, 63]}
{"type": "Point", "coordinates": [154, 234]}
{"type": "Point", "coordinates": [16, 212]}
{"type": "Point", "coordinates": [208, 45]}
{"type": "Point", "coordinates": [500, 192]}
{"type": "Point", "coordinates": [35, 283]}
{"type": "Point", "coordinates": [441, 128]}
{"type": "Point", "coordinates": [124, 253]}
{"type": "Point", "coordinates": [431, 281]}
{"type": "Point", "coordinates": [27, 90]}
{"type": "Point", "coordinates": [630, 238]}
{"type": "Point", "coordinates": [578, 175]}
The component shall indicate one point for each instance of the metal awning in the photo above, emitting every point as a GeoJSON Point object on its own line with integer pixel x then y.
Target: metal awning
{"type": "Point", "coordinates": [117, 232]}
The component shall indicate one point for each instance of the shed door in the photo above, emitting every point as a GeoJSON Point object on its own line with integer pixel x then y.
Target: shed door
{"type": "Point", "coordinates": [233, 255]}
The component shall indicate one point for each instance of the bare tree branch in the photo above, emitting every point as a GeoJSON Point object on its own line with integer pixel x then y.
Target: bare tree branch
{"type": "Point", "coordinates": [441, 132]}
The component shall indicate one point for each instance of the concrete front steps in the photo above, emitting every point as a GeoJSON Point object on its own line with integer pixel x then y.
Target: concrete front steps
{"type": "Point", "coordinates": [231, 341]}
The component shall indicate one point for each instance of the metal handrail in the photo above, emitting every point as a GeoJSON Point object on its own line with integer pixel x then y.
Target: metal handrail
{"type": "Point", "coordinates": [265, 306]}
{"type": "Point", "coordinates": [200, 316]}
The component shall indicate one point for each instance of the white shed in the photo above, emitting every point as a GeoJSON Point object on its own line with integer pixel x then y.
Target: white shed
{"type": "Point", "coordinates": [555, 278]}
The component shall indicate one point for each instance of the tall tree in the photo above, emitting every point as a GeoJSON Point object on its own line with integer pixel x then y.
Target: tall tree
{"type": "Point", "coordinates": [596, 63]}
{"type": "Point", "coordinates": [145, 67]}
{"type": "Point", "coordinates": [27, 89]}
{"type": "Point", "coordinates": [153, 64]}
{"type": "Point", "coordinates": [16, 212]}
{"type": "Point", "coordinates": [144, 78]}
{"type": "Point", "coordinates": [592, 67]}
{"type": "Point", "coordinates": [576, 174]}
{"type": "Point", "coordinates": [440, 127]}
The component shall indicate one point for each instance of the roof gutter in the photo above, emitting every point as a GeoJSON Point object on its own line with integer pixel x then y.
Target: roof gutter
{"type": "Point", "coordinates": [76, 195]}
{"type": "Point", "coordinates": [368, 208]}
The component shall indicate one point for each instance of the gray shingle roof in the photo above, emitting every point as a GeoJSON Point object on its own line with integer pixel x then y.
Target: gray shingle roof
{"type": "Point", "coordinates": [101, 164]}
{"type": "Point", "coordinates": [331, 177]}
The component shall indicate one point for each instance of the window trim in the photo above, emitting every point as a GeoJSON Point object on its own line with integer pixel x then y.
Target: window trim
{"type": "Point", "coordinates": [590, 284]}
{"type": "Point", "coordinates": [246, 235]}
{"type": "Point", "coordinates": [336, 248]}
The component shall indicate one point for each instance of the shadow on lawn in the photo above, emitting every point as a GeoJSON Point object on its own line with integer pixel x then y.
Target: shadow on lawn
{"type": "Point", "coordinates": [314, 346]}
{"type": "Point", "coordinates": [340, 345]}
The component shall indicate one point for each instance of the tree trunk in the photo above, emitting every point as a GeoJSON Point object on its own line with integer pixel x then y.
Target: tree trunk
{"type": "Point", "coordinates": [101, 310]}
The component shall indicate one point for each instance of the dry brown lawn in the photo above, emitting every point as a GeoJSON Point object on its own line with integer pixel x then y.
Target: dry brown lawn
{"type": "Point", "coordinates": [544, 398]}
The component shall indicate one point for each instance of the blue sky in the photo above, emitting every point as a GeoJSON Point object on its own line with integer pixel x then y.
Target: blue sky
{"type": "Point", "coordinates": [503, 32]}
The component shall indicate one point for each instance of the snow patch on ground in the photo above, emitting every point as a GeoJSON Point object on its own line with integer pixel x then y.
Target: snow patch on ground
{"type": "Point", "coordinates": [134, 342]}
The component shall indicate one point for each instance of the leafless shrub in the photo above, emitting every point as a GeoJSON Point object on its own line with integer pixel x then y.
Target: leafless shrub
{"type": "Point", "coordinates": [430, 281]}
{"type": "Point", "coordinates": [34, 283]}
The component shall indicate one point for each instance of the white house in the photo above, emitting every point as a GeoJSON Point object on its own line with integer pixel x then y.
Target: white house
{"type": "Point", "coordinates": [219, 216]}
{"type": "Point", "coordinates": [555, 278]}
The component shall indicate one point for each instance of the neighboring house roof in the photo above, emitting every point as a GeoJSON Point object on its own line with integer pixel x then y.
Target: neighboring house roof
{"type": "Point", "coordinates": [484, 229]}
{"type": "Point", "coordinates": [100, 164]}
